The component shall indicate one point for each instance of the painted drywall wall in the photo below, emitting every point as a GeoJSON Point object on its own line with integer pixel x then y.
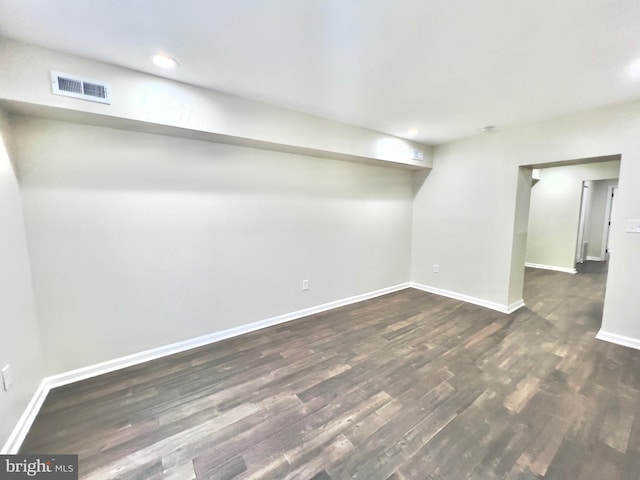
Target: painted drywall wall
{"type": "Point", "coordinates": [518, 249]}
{"type": "Point", "coordinates": [555, 212]}
{"type": "Point", "coordinates": [146, 98]}
{"type": "Point", "coordinates": [463, 223]}
{"type": "Point", "coordinates": [595, 230]}
{"type": "Point", "coordinates": [19, 335]}
{"type": "Point", "coordinates": [141, 240]}
{"type": "Point", "coordinates": [465, 211]}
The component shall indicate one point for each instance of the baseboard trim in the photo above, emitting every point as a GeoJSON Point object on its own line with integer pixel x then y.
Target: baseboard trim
{"type": "Point", "coordinates": [517, 305]}
{"type": "Point", "coordinates": [573, 271]}
{"type": "Point", "coordinates": [469, 299]}
{"type": "Point", "coordinates": [619, 339]}
{"type": "Point", "coordinates": [595, 259]}
{"type": "Point", "coordinates": [163, 351]}
{"type": "Point", "coordinates": [19, 433]}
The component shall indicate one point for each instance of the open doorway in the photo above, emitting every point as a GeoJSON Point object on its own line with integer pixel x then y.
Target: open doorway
{"type": "Point", "coordinates": [595, 220]}
{"type": "Point", "coordinates": [569, 214]}
{"type": "Point", "coordinates": [568, 218]}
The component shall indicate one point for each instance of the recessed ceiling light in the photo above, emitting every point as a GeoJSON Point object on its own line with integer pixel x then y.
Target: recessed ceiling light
{"type": "Point", "coordinates": [634, 69]}
{"type": "Point", "coordinates": [412, 132]}
{"type": "Point", "coordinates": [164, 61]}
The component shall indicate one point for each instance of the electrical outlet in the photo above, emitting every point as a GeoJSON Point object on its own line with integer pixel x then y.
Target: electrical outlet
{"type": "Point", "coordinates": [7, 377]}
{"type": "Point", "coordinates": [305, 284]}
{"type": "Point", "coordinates": [436, 268]}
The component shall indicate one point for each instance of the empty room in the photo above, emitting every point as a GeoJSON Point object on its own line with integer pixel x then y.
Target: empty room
{"type": "Point", "coordinates": [319, 239]}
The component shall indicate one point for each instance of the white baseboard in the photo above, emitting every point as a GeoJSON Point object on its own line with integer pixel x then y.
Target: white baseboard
{"type": "Point", "coordinates": [29, 415]}
{"type": "Point", "coordinates": [619, 339]}
{"type": "Point", "coordinates": [595, 259]}
{"type": "Point", "coordinates": [551, 267]}
{"type": "Point", "coordinates": [469, 299]}
{"type": "Point", "coordinates": [517, 305]}
{"type": "Point", "coordinates": [21, 429]}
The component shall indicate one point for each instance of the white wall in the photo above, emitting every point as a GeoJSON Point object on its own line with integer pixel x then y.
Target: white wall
{"type": "Point", "coordinates": [153, 101]}
{"type": "Point", "coordinates": [518, 249]}
{"type": "Point", "coordinates": [554, 213]}
{"type": "Point", "coordinates": [119, 224]}
{"type": "Point", "coordinates": [141, 240]}
{"type": "Point", "coordinates": [463, 222]}
{"type": "Point", "coordinates": [465, 212]}
{"type": "Point", "coordinates": [19, 335]}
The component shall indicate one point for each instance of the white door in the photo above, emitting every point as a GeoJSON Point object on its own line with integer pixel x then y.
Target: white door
{"type": "Point", "coordinates": [584, 203]}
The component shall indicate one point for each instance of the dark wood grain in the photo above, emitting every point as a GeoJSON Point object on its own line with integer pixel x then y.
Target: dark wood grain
{"type": "Point", "coordinates": [405, 386]}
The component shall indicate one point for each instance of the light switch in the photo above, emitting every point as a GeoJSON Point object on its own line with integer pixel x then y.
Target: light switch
{"type": "Point", "coordinates": [633, 226]}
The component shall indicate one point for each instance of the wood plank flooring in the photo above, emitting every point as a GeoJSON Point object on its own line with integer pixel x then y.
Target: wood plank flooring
{"type": "Point", "coordinates": [406, 386]}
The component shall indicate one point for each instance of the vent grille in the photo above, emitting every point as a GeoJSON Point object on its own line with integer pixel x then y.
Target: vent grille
{"type": "Point", "coordinates": [417, 155]}
{"type": "Point", "coordinates": [68, 85]}
{"type": "Point", "coordinates": [94, 90]}
{"type": "Point", "coordinates": [77, 87]}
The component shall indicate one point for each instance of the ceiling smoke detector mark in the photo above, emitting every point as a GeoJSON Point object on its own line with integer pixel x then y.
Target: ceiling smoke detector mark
{"type": "Point", "coordinates": [82, 88]}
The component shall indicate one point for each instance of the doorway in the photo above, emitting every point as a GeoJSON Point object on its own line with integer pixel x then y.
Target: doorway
{"type": "Point", "coordinates": [569, 215]}
{"type": "Point", "coordinates": [598, 199]}
{"type": "Point", "coordinates": [567, 222]}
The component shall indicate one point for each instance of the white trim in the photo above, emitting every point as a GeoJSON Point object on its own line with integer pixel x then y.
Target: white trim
{"type": "Point", "coordinates": [619, 339]}
{"type": "Point", "coordinates": [611, 190]}
{"type": "Point", "coordinates": [517, 305]}
{"type": "Point", "coordinates": [469, 299]}
{"type": "Point", "coordinates": [165, 350]}
{"type": "Point", "coordinates": [585, 200]}
{"type": "Point", "coordinates": [572, 271]}
{"type": "Point", "coordinates": [21, 429]}
{"type": "Point", "coordinates": [595, 259]}
{"type": "Point", "coordinates": [26, 420]}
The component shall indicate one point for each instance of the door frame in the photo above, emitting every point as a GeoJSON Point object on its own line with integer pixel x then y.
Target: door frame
{"type": "Point", "coordinates": [612, 191]}
{"type": "Point", "coordinates": [585, 198]}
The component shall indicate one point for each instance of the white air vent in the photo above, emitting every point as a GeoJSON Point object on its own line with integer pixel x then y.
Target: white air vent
{"type": "Point", "coordinates": [417, 154]}
{"type": "Point", "coordinates": [77, 87]}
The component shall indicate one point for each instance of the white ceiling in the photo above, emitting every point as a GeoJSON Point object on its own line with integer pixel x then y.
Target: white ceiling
{"type": "Point", "coordinates": [446, 67]}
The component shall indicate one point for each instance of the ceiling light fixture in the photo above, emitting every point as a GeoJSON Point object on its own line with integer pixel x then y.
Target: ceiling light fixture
{"type": "Point", "coordinates": [164, 61]}
{"type": "Point", "coordinates": [412, 132]}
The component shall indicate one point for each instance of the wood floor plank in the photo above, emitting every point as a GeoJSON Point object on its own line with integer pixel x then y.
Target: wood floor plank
{"type": "Point", "coordinates": [522, 394]}
{"type": "Point", "coordinates": [616, 427]}
{"type": "Point", "coordinates": [409, 385]}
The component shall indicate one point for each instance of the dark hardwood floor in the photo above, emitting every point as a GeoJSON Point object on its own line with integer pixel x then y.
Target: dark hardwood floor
{"type": "Point", "coordinates": [406, 386]}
